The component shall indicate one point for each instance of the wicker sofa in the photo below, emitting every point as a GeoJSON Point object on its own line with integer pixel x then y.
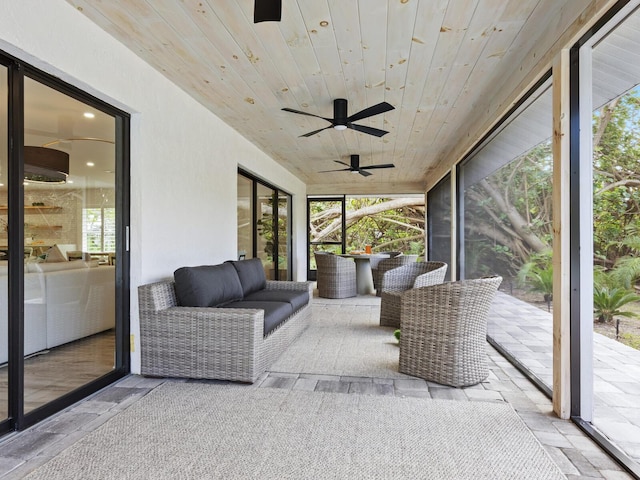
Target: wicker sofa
{"type": "Point", "coordinates": [224, 322]}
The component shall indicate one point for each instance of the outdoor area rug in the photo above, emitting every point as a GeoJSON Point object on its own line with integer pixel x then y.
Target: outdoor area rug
{"type": "Point", "coordinates": [343, 340]}
{"type": "Point", "coordinates": [197, 430]}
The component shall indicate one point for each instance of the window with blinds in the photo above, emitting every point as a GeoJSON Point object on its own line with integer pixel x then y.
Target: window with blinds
{"type": "Point", "coordinates": [98, 230]}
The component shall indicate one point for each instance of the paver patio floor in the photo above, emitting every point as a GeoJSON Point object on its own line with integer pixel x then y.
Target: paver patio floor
{"type": "Point", "coordinates": [525, 332]}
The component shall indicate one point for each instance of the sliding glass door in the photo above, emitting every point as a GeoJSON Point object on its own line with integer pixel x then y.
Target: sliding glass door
{"type": "Point", "coordinates": [63, 256]}
{"type": "Point", "coordinates": [69, 239]}
{"type": "Point", "coordinates": [264, 226]}
{"type": "Point", "coordinates": [4, 270]}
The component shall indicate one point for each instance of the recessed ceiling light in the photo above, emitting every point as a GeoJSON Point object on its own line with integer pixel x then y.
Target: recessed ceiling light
{"type": "Point", "coordinates": [89, 115]}
{"type": "Point", "coordinates": [90, 164]}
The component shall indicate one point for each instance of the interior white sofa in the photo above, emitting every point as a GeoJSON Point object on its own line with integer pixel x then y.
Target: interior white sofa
{"type": "Point", "coordinates": [63, 302]}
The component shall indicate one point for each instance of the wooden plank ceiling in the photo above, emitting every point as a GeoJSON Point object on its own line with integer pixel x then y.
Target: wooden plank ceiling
{"type": "Point", "coordinates": [435, 61]}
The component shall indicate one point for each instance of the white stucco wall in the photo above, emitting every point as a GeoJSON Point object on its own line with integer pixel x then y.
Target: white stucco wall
{"type": "Point", "coordinates": [184, 159]}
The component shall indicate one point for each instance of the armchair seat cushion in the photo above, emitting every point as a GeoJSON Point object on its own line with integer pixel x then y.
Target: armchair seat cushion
{"type": "Point", "coordinates": [297, 298]}
{"type": "Point", "coordinates": [274, 312]}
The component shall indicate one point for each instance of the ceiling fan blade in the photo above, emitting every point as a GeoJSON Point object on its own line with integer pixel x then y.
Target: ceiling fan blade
{"type": "Point", "coordinates": [364, 173]}
{"type": "Point", "coordinates": [342, 163]}
{"type": "Point", "coordinates": [381, 165]}
{"type": "Point", "coordinates": [315, 131]}
{"type": "Point", "coordinates": [267, 11]}
{"type": "Point", "coordinates": [371, 111]}
{"type": "Point", "coordinates": [338, 170]}
{"type": "Point", "coordinates": [370, 130]}
{"type": "Point", "coordinates": [306, 113]}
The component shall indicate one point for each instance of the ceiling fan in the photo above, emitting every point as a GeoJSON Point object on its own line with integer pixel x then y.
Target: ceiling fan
{"type": "Point", "coordinates": [356, 168]}
{"type": "Point", "coordinates": [341, 121]}
{"type": "Point", "coordinates": [267, 11]}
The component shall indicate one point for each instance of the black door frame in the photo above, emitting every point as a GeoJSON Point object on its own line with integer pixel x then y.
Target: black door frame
{"type": "Point", "coordinates": [17, 419]}
{"type": "Point", "coordinates": [312, 274]}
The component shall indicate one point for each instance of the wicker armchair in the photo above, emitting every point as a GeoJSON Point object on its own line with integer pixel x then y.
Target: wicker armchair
{"type": "Point", "coordinates": [396, 281]}
{"type": "Point", "coordinates": [336, 276]}
{"type": "Point", "coordinates": [444, 330]}
{"type": "Point", "coordinates": [379, 268]}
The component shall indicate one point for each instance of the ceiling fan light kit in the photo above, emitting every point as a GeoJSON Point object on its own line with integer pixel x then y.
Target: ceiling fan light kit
{"type": "Point", "coordinates": [354, 166]}
{"type": "Point", "coordinates": [341, 121]}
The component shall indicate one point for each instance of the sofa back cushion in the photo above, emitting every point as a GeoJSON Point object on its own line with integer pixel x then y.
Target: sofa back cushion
{"type": "Point", "coordinates": [251, 274]}
{"type": "Point", "coordinates": [207, 285]}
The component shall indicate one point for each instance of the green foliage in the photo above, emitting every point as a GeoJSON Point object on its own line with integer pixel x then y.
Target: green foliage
{"type": "Point", "coordinates": [537, 274]}
{"type": "Point", "coordinates": [384, 223]}
{"type": "Point", "coordinates": [607, 302]}
{"type": "Point", "coordinates": [513, 201]}
{"type": "Point", "coordinates": [396, 334]}
{"type": "Point", "coordinates": [631, 340]}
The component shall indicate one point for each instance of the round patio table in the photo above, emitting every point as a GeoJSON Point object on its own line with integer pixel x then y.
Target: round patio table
{"type": "Point", "coordinates": [364, 276]}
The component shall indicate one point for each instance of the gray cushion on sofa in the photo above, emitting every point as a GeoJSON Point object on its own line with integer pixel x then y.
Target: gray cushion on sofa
{"type": "Point", "coordinates": [207, 285]}
{"type": "Point", "coordinates": [296, 298]}
{"type": "Point", "coordinates": [251, 274]}
{"type": "Point", "coordinates": [274, 312]}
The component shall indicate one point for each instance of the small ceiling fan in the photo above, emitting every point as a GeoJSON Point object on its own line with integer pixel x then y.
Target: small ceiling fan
{"type": "Point", "coordinates": [341, 121]}
{"type": "Point", "coordinates": [356, 168]}
{"type": "Point", "coordinates": [267, 11]}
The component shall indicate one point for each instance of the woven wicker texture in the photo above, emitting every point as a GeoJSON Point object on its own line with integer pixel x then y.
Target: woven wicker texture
{"type": "Point", "coordinates": [387, 264]}
{"type": "Point", "coordinates": [399, 279]}
{"type": "Point", "coordinates": [212, 343]}
{"type": "Point", "coordinates": [336, 276]}
{"type": "Point", "coordinates": [444, 330]}
{"type": "Point", "coordinates": [204, 431]}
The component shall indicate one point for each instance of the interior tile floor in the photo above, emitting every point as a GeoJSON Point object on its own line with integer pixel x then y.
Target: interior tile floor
{"type": "Point", "coordinates": [576, 455]}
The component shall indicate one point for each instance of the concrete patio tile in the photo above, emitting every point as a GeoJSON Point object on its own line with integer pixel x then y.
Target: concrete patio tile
{"type": "Point", "coordinates": [65, 423]}
{"type": "Point", "coordinates": [538, 422]}
{"type": "Point", "coordinates": [602, 461]}
{"type": "Point", "coordinates": [414, 393]}
{"type": "Point", "coordinates": [314, 376]}
{"type": "Point", "coordinates": [553, 439]}
{"type": "Point", "coordinates": [305, 384]}
{"type": "Point", "coordinates": [483, 395]}
{"type": "Point", "coordinates": [383, 381]}
{"type": "Point", "coordinates": [332, 387]}
{"type": "Point", "coordinates": [371, 388]}
{"type": "Point", "coordinates": [583, 465]}
{"type": "Point", "coordinates": [566, 427]}
{"type": "Point", "coordinates": [29, 444]}
{"type": "Point", "coordinates": [25, 468]}
{"type": "Point", "coordinates": [410, 384]}
{"type": "Point", "coordinates": [615, 475]}
{"type": "Point", "coordinates": [448, 394]}
{"type": "Point", "coordinates": [558, 456]}
{"type": "Point", "coordinates": [349, 379]}
{"type": "Point", "coordinates": [285, 383]}
{"type": "Point", "coordinates": [8, 464]}
{"type": "Point", "coordinates": [583, 443]}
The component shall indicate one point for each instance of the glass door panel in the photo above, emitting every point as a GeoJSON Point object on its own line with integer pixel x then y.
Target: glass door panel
{"type": "Point", "coordinates": [69, 233]}
{"type": "Point", "coordinates": [326, 227]}
{"type": "Point", "coordinates": [265, 231]}
{"type": "Point", "coordinates": [284, 269]}
{"type": "Point", "coordinates": [611, 332]}
{"type": "Point", "coordinates": [4, 284]}
{"type": "Point", "coordinates": [245, 218]}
